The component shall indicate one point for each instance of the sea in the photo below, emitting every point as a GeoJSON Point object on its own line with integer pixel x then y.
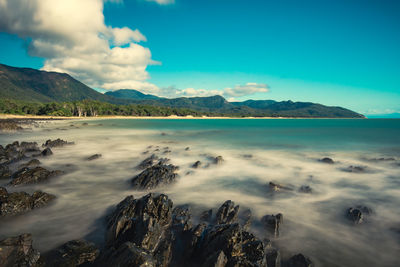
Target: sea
{"type": "Point", "coordinates": [255, 152]}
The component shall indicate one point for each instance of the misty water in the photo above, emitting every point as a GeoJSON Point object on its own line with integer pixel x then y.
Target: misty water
{"type": "Point", "coordinates": [255, 152]}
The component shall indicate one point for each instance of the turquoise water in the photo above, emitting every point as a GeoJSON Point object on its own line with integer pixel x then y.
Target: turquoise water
{"type": "Point", "coordinates": [255, 152]}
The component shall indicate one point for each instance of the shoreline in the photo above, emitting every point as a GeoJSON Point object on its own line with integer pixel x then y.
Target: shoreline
{"type": "Point", "coordinates": [46, 117]}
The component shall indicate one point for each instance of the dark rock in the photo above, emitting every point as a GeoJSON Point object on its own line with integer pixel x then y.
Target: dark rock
{"type": "Point", "coordinates": [271, 224]}
{"type": "Point", "coordinates": [299, 260]}
{"type": "Point", "coordinates": [85, 124]}
{"type": "Point", "coordinates": [147, 163]}
{"type": "Point", "coordinates": [29, 146]}
{"type": "Point", "coordinates": [72, 253]}
{"type": "Point", "coordinates": [5, 172]}
{"type": "Point", "coordinates": [327, 160]}
{"type": "Point", "coordinates": [18, 251]}
{"type": "Point", "coordinates": [56, 143]}
{"type": "Point", "coordinates": [356, 169]}
{"type": "Point", "coordinates": [278, 187]}
{"type": "Point", "coordinates": [32, 176]}
{"type": "Point", "coordinates": [218, 259]}
{"type": "Point", "coordinates": [46, 152]}
{"type": "Point", "coordinates": [227, 213]}
{"type": "Point", "coordinates": [140, 221]}
{"type": "Point", "coordinates": [205, 216]}
{"type": "Point", "coordinates": [163, 134]}
{"type": "Point", "coordinates": [154, 176]}
{"type": "Point", "coordinates": [21, 202]}
{"type": "Point", "coordinates": [181, 217]}
{"type": "Point", "coordinates": [305, 189]}
{"type": "Point", "coordinates": [187, 148]}
{"type": "Point", "coordinates": [30, 164]}
{"type": "Point", "coordinates": [196, 164]}
{"type": "Point", "coordinates": [218, 160]}
{"type": "Point", "coordinates": [167, 151]}
{"type": "Point", "coordinates": [357, 214]}
{"type": "Point", "coordinates": [93, 157]}
{"type": "Point", "coordinates": [9, 126]}
{"type": "Point", "coordinates": [273, 257]}
{"type": "Point", "coordinates": [245, 218]}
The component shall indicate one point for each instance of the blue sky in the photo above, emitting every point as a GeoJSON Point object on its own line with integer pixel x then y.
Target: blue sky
{"type": "Point", "coordinates": [341, 52]}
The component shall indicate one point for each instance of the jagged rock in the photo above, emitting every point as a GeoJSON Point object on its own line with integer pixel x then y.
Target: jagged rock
{"type": "Point", "coordinates": [140, 221]}
{"type": "Point", "coordinates": [278, 187]}
{"type": "Point", "coordinates": [218, 259]}
{"type": "Point", "coordinates": [181, 217]}
{"type": "Point", "coordinates": [196, 164]}
{"type": "Point", "coordinates": [93, 157]}
{"type": "Point", "coordinates": [305, 189]}
{"type": "Point", "coordinates": [5, 172]}
{"type": "Point", "coordinates": [299, 260]}
{"type": "Point", "coordinates": [32, 176]}
{"type": "Point", "coordinates": [56, 143]}
{"type": "Point", "coordinates": [357, 214]}
{"type": "Point", "coordinates": [273, 257]}
{"type": "Point", "coordinates": [218, 160]}
{"type": "Point", "coordinates": [154, 176]}
{"type": "Point", "coordinates": [21, 202]}
{"type": "Point", "coordinates": [30, 164]}
{"type": "Point", "coordinates": [356, 169]}
{"type": "Point", "coordinates": [72, 253]}
{"type": "Point", "coordinates": [16, 151]}
{"type": "Point", "coordinates": [227, 213]}
{"type": "Point", "coordinates": [327, 160]}
{"type": "Point", "coordinates": [245, 218]}
{"type": "Point", "coordinates": [271, 224]}
{"type": "Point", "coordinates": [46, 152]}
{"type": "Point", "coordinates": [205, 216]}
{"type": "Point", "coordinates": [147, 163]}
{"type": "Point", "coordinates": [29, 146]}
{"type": "Point", "coordinates": [18, 251]}
{"type": "Point", "coordinates": [9, 126]}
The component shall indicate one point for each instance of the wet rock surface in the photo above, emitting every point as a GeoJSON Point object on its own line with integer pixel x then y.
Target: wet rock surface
{"type": "Point", "coordinates": [275, 187]}
{"type": "Point", "coordinates": [17, 151]}
{"type": "Point", "coordinates": [33, 176]}
{"type": "Point", "coordinates": [18, 251]}
{"type": "Point", "coordinates": [356, 169]}
{"type": "Point", "coordinates": [56, 143]}
{"type": "Point", "coordinates": [154, 176]}
{"type": "Point", "coordinates": [327, 160]}
{"type": "Point", "coordinates": [20, 202]}
{"type": "Point", "coordinates": [358, 214]}
{"type": "Point", "coordinates": [93, 157]}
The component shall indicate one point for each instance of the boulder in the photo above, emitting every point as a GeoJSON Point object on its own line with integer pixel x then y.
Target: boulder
{"type": "Point", "coordinates": [73, 253]}
{"type": "Point", "coordinates": [357, 214]}
{"type": "Point", "coordinates": [18, 251]}
{"type": "Point", "coordinates": [46, 152]}
{"type": "Point", "coordinates": [30, 164]}
{"type": "Point", "coordinates": [196, 164]}
{"type": "Point", "coordinates": [274, 187]}
{"type": "Point", "coordinates": [218, 160]}
{"type": "Point", "coordinates": [305, 189]}
{"type": "Point", "coordinates": [56, 143]}
{"type": "Point", "coordinates": [299, 260]}
{"type": "Point", "coordinates": [147, 163]}
{"type": "Point", "coordinates": [227, 213]}
{"type": "Point", "coordinates": [154, 176]}
{"type": "Point", "coordinates": [93, 157]}
{"type": "Point", "coordinates": [32, 176]}
{"type": "Point", "coordinates": [271, 224]}
{"type": "Point", "coordinates": [5, 172]}
{"type": "Point", "coordinates": [327, 160]}
{"type": "Point", "coordinates": [273, 257]}
{"type": "Point", "coordinates": [355, 169]}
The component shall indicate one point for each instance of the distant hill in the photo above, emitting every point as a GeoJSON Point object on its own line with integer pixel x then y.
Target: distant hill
{"type": "Point", "coordinates": [130, 94]}
{"type": "Point", "coordinates": [32, 85]}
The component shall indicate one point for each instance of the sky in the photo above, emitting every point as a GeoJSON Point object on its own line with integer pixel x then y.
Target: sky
{"type": "Point", "coordinates": [334, 52]}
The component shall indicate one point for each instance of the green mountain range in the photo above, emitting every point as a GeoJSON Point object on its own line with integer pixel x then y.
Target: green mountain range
{"type": "Point", "coordinates": [30, 85]}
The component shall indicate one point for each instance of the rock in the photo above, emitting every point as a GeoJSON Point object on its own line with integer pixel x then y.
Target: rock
{"type": "Point", "coordinates": [167, 151]}
{"type": "Point", "coordinates": [227, 213]}
{"type": "Point", "coordinates": [140, 221]}
{"type": "Point", "coordinates": [29, 146]}
{"type": "Point", "coordinates": [154, 176]}
{"type": "Point", "coordinates": [218, 160]}
{"type": "Point", "coordinates": [9, 126]}
{"type": "Point", "coordinates": [187, 148]}
{"type": "Point", "coordinates": [5, 172]}
{"type": "Point", "coordinates": [30, 164]}
{"type": "Point", "coordinates": [355, 169]}
{"type": "Point", "coordinates": [147, 163]}
{"type": "Point", "coordinates": [16, 151]}
{"type": "Point", "coordinates": [327, 160]}
{"type": "Point", "coordinates": [46, 152]}
{"type": "Point", "coordinates": [218, 259]}
{"type": "Point", "coordinates": [305, 189]}
{"type": "Point", "coordinates": [245, 218]}
{"type": "Point", "coordinates": [85, 124]}
{"type": "Point", "coordinates": [299, 260]}
{"type": "Point", "coordinates": [181, 218]}
{"type": "Point", "coordinates": [278, 187]}
{"type": "Point", "coordinates": [206, 216]}
{"type": "Point", "coordinates": [357, 214]}
{"type": "Point", "coordinates": [273, 257]}
{"type": "Point", "coordinates": [72, 253]}
{"type": "Point", "coordinates": [21, 202]}
{"type": "Point", "coordinates": [271, 224]}
{"type": "Point", "coordinates": [93, 157]}
{"type": "Point", "coordinates": [18, 251]}
{"type": "Point", "coordinates": [56, 143]}
{"type": "Point", "coordinates": [32, 176]}
{"type": "Point", "coordinates": [196, 164]}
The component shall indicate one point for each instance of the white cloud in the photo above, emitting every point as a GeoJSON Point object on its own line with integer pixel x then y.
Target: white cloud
{"type": "Point", "coordinates": [72, 37]}
{"type": "Point", "coordinates": [162, 2]}
{"type": "Point", "coordinates": [247, 89]}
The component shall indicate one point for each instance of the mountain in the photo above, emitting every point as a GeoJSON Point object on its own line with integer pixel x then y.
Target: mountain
{"type": "Point", "coordinates": [130, 94]}
{"type": "Point", "coordinates": [32, 85]}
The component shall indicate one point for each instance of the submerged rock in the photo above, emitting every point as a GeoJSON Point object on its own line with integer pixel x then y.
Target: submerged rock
{"type": "Point", "coordinates": [72, 253]}
{"type": "Point", "coordinates": [21, 202]}
{"type": "Point", "coordinates": [154, 176]}
{"type": "Point", "coordinates": [227, 213]}
{"type": "Point", "coordinates": [218, 160]}
{"type": "Point", "coordinates": [18, 251]}
{"type": "Point", "coordinates": [46, 152]}
{"type": "Point", "coordinates": [271, 224]}
{"type": "Point", "coordinates": [93, 157]}
{"type": "Point", "coordinates": [305, 189]}
{"type": "Point", "coordinates": [56, 143]}
{"type": "Point", "coordinates": [327, 160]}
{"type": "Point", "coordinates": [196, 164]}
{"type": "Point", "coordinates": [299, 260]}
{"type": "Point", "coordinates": [274, 187]}
{"type": "Point", "coordinates": [32, 176]}
{"type": "Point", "coordinates": [356, 169]}
{"type": "Point", "coordinates": [357, 214]}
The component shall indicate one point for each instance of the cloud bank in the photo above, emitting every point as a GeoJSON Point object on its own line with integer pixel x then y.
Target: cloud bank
{"type": "Point", "coordinates": [72, 37]}
{"type": "Point", "coordinates": [162, 2]}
